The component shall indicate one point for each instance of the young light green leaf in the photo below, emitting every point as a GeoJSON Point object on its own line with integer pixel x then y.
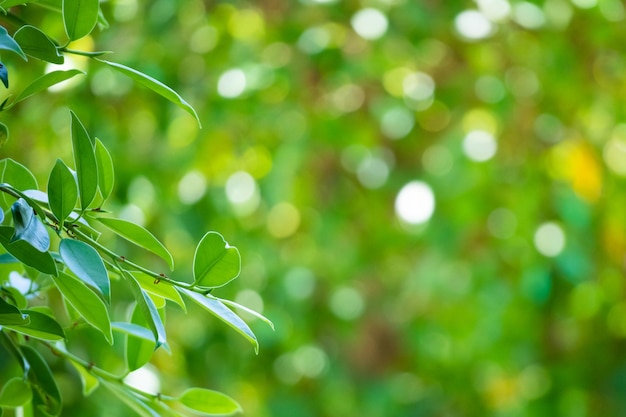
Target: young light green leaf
{"type": "Point", "coordinates": [4, 134]}
{"type": "Point", "coordinates": [85, 162]}
{"type": "Point", "coordinates": [28, 227]}
{"type": "Point", "coordinates": [154, 85]}
{"type": "Point", "coordinates": [215, 262]}
{"type": "Point", "coordinates": [11, 315]}
{"type": "Point", "coordinates": [80, 17]}
{"type": "Point", "coordinates": [15, 393]}
{"type": "Point", "coordinates": [106, 175]}
{"type": "Point", "coordinates": [160, 289]}
{"type": "Point", "coordinates": [134, 330]}
{"type": "Point", "coordinates": [207, 402]}
{"type": "Point", "coordinates": [14, 296]}
{"type": "Point", "coordinates": [36, 44]}
{"type": "Point", "coordinates": [85, 262]}
{"type": "Point", "coordinates": [41, 326]}
{"type": "Point", "coordinates": [139, 236]}
{"type": "Point", "coordinates": [62, 191]}
{"type": "Point", "coordinates": [86, 303]}
{"type": "Point", "coordinates": [124, 394]}
{"type": "Point", "coordinates": [47, 397]}
{"type": "Point", "coordinates": [8, 43]}
{"type": "Point", "coordinates": [138, 349]}
{"type": "Point", "coordinates": [249, 311]}
{"type": "Point", "coordinates": [219, 310]}
{"type": "Point", "coordinates": [44, 82]}
{"type": "Point", "coordinates": [25, 253]}
{"type": "Point", "coordinates": [149, 310]}
{"type": "Point", "coordinates": [89, 382]}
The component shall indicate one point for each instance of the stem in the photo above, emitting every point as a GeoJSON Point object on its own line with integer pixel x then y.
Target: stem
{"type": "Point", "coordinates": [84, 53]}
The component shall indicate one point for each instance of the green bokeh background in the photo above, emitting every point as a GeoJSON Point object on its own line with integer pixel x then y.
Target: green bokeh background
{"type": "Point", "coordinates": [461, 315]}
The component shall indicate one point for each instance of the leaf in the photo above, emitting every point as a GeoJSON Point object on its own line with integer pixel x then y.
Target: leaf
{"type": "Point", "coordinates": [139, 349]}
{"type": "Point", "coordinates": [4, 76]}
{"type": "Point", "coordinates": [215, 263]}
{"type": "Point", "coordinates": [8, 43]}
{"type": "Point", "coordinates": [25, 253]}
{"type": "Point", "coordinates": [16, 392]}
{"type": "Point", "coordinates": [219, 310]}
{"type": "Point", "coordinates": [124, 394]}
{"type": "Point", "coordinates": [208, 402]}
{"type": "Point", "coordinates": [44, 82]}
{"type": "Point", "coordinates": [36, 44]}
{"type": "Point", "coordinates": [85, 162]}
{"type": "Point", "coordinates": [86, 303]}
{"type": "Point", "coordinates": [106, 175]}
{"type": "Point", "coordinates": [48, 397]}
{"type": "Point", "coordinates": [89, 382]}
{"type": "Point", "coordinates": [17, 175]}
{"type": "Point", "coordinates": [134, 330]}
{"type": "Point", "coordinates": [28, 227]}
{"type": "Point", "coordinates": [149, 310]}
{"type": "Point", "coordinates": [156, 86]}
{"type": "Point", "coordinates": [10, 315]}
{"type": "Point", "coordinates": [62, 191]}
{"type": "Point", "coordinates": [85, 262]}
{"type": "Point", "coordinates": [161, 289]}
{"type": "Point", "coordinates": [4, 134]}
{"type": "Point", "coordinates": [79, 17]}
{"type": "Point", "coordinates": [249, 311]}
{"type": "Point", "coordinates": [139, 236]}
{"type": "Point", "coordinates": [41, 326]}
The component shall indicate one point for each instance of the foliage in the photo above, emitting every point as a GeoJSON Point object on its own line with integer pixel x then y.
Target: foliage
{"type": "Point", "coordinates": [59, 274]}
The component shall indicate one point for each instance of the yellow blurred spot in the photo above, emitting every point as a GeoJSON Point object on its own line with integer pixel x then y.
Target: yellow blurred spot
{"type": "Point", "coordinates": [573, 161]}
{"type": "Point", "coordinates": [257, 161]}
{"type": "Point", "coordinates": [615, 320]}
{"type": "Point", "coordinates": [502, 392]}
{"type": "Point", "coordinates": [435, 118]}
{"type": "Point", "coordinates": [283, 220]}
{"type": "Point", "coordinates": [585, 300]}
{"type": "Point", "coordinates": [480, 119]}
{"type": "Point", "coordinates": [247, 25]}
{"type": "Point", "coordinates": [393, 81]}
{"type": "Point", "coordinates": [181, 132]}
{"type": "Point", "coordinates": [614, 239]}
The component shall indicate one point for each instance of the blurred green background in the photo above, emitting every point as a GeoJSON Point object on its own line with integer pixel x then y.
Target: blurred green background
{"type": "Point", "coordinates": [428, 197]}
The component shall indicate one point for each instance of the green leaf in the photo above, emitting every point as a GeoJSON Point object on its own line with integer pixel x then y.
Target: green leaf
{"type": "Point", "coordinates": [85, 262]}
{"type": "Point", "coordinates": [47, 397]}
{"type": "Point", "coordinates": [124, 394]}
{"type": "Point", "coordinates": [4, 77]}
{"type": "Point", "coordinates": [44, 82]}
{"type": "Point", "coordinates": [160, 289]}
{"type": "Point", "coordinates": [215, 263]}
{"type": "Point", "coordinates": [15, 393]}
{"type": "Point", "coordinates": [86, 303]}
{"type": "Point", "coordinates": [28, 227]}
{"type": "Point", "coordinates": [106, 174]}
{"type": "Point", "coordinates": [139, 349]}
{"type": "Point", "coordinates": [139, 236]}
{"type": "Point", "coordinates": [18, 176]}
{"type": "Point", "coordinates": [62, 191]}
{"type": "Point", "coordinates": [249, 311]}
{"type": "Point", "coordinates": [25, 253]}
{"type": "Point", "coordinates": [89, 382]}
{"type": "Point", "coordinates": [8, 43]}
{"type": "Point", "coordinates": [41, 326]}
{"type": "Point", "coordinates": [80, 17]}
{"type": "Point", "coordinates": [208, 402]}
{"type": "Point", "coordinates": [10, 315]}
{"type": "Point", "coordinates": [36, 44]}
{"type": "Point", "coordinates": [219, 310]}
{"type": "Point", "coordinates": [85, 162]}
{"type": "Point", "coordinates": [4, 134]}
{"type": "Point", "coordinates": [156, 86]}
{"type": "Point", "coordinates": [134, 330]}
{"type": "Point", "coordinates": [149, 310]}
{"type": "Point", "coordinates": [15, 297]}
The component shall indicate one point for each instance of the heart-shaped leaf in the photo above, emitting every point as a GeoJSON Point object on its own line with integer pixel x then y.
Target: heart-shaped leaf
{"type": "Point", "coordinates": [85, 262]}
{"type": "Point", "coordinates": [28, 227]}
{"type": "Point", "coordinates": [215, 262]}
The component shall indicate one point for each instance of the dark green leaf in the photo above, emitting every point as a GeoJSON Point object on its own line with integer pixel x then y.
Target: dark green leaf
{"type": "Point", "coordinates": [86, 303]}
{"type": "Point", "coordinates": [4, 134]}
{"type": "Point", "coordinates": [14, 296]}
{"type": "Point", "coordinates": [85, 262]}
{"type": "Point", "coordinates": [85, 162]}
{"type": "Point", "coordinates": [36, 44]}
{"type": "Point", "coordinates": [154, 85]}
{"type": "Point", "coordinates": [10, 315]}
{"type": "Point", "coordinates": [8, 43]}
{"type": "Point", "coordinates": [4, 76]}
{"type": "Point", "coordinates": [219, 310]}
{"type": "Point", "coordinates": [149, 310]}
{"type": "Point", "coordinates": [41, 326]}
{"type": "Point", "coordinates": [215, 263]}
{"type": "Point", "coordinates": [24, 252]}
{"type": "Point", "coordinates": [62, 191]}
{"type": "Point", "coordinates": [106, 174]}
{"type": "Point", "coordinates": [208, 403]}
{"type": "Point", "coordinates": [89, 382]}
{"type": "Point", "coordinates": [28, 227]}
{"type": "Point", "coordinates": [16, 392]}
{"type": "Point", "coordinates": [44, 82]}
{"type": "Point", "coordinates": [139, 236]}
{"type": "Point", "coordinates": [48, 397]}
{"type": "Point", "coordinates": [79, 17]}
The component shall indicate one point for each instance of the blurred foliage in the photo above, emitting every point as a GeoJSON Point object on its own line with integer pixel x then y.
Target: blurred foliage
{"type": "Point", "coordinates": [508, 301]}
